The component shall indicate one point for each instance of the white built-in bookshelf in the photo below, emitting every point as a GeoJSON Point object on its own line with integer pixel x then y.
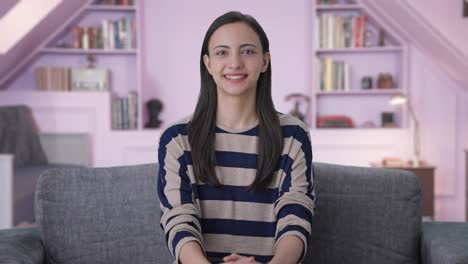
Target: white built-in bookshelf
{"type": "Point", "coordinates": [349, 45]}
{"type": "Point", "coordinates": [121, 56]}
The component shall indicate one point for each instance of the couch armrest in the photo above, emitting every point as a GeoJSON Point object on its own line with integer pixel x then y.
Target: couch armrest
{"type": "Point", "coordinates": [21, 245]}
{"type": "Point", "coordinates": [444, 242]}
{"type": "Point", "coordinates": [6, 191]}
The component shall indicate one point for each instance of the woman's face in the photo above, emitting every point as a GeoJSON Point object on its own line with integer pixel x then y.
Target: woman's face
{"type": "Point", "coordinates": [235, 59]}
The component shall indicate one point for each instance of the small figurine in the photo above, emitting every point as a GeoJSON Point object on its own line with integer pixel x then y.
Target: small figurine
{"type": "Point", "coordinates": [297, 101]}
{"type": "Point", "coordinates": [381, 38]}
{"type": "Point", "coordinates": [366, 83]}
{"type": "Point", "coordinates": [154, 107]}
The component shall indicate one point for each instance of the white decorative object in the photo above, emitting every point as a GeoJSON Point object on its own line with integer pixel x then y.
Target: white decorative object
{"type": "Point", "coordinates": [6, 191]}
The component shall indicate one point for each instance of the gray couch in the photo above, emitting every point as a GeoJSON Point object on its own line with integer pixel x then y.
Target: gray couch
{"type": "Point", "coordinates": [111, 215]}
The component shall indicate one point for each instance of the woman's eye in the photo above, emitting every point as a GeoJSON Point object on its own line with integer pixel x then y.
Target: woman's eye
{"type": "Point", "coordinates": [248, 52]}
{"type": "Point", "coordinates": [221, 52]}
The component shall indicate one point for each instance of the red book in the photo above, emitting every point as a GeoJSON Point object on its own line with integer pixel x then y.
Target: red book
{"type": "Point", "coordinates": [358, 31]}
{"type": "Point", "coordinates": [77, 35]}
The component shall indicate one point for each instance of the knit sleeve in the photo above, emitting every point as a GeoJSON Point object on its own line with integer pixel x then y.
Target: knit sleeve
{"type": "Point", "coordinates": [180, 216]}
{"type": "Point", "coordinates": [295, 206]}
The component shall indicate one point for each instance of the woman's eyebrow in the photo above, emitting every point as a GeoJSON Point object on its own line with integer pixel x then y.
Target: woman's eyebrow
{"type": "Point", "coordinates": [241, 46]}
{"type": "Point", "coordinates": [248, 45]}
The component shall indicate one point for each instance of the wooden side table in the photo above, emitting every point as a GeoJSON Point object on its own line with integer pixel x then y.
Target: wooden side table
{"type": "Point", "coordinates": [426, 178]}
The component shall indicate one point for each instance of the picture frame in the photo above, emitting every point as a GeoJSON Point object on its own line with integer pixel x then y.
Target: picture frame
{"type": "Point", "coordinates": [465, 8]}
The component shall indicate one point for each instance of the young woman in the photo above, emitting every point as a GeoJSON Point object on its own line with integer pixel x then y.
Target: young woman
{"type": "Point", "coordinates": [235, 178]}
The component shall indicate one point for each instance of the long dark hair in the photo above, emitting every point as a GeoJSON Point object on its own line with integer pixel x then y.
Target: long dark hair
{"type": "Point", "coordinates": [201, 129]}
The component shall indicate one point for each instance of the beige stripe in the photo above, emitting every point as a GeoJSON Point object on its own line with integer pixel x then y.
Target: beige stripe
{"type": "Point", "coordinates": [294, 198]}
{"type": "Point", "coordinates": [172, 166]}
{"type": "Point", "coordinates": [242, 144]}
{"type": "Point", "coordinates": [240, 176]}
{"type": "Point", "coordinates": [292, 220]}
{"type": "Point", "coordinates": [239, 244]}
{"type": "Point", "coordinates": [238, 211]}
{"type": "Point", "coordinates": [188, 209]}
{"type": "Point", "coordinates": [287, 120]}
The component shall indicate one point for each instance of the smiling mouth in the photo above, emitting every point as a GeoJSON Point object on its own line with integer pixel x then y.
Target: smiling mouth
{"type": "Point", "coordinates": [235, 77]}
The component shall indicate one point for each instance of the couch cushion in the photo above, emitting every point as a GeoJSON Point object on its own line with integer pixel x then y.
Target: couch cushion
{"type": "Point", "coordinates": [18, 136]}
{"type": "Point", "coordinates": [104, 215]}
{"type": "Point", "coordinates": [365, 215]}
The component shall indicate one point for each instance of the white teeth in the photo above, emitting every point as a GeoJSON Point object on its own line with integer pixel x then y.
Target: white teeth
{"type": "Point", "coordinates": [235, 77]}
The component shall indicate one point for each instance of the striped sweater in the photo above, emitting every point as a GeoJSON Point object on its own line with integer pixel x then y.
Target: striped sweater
{"type": "Point", "coordinates": [230, 219]}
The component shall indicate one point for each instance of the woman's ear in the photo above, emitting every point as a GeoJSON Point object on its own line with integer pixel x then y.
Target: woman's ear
{"type": "Point", "coordinates": [266, 61]}
{"type": "Point", "coordinates": [206, 60]}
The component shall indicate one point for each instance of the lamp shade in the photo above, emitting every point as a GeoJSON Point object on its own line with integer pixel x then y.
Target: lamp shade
{"type": "Point", "coordinates": [398, 99]}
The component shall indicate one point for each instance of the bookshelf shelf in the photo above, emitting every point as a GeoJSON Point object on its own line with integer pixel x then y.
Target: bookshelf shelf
{"type": "Point", "coordinates": [371, 92]}
{"type": "Point", "coordinates": [360, 50]}
{"type": "Point", "coordinates": [338, 7]}
{"type": "Point", "coordinates": [111, 8]}
{"type": "Point", "coordinates": [89, 51]}
{"type": "Point", "coordinates": [353, 49]}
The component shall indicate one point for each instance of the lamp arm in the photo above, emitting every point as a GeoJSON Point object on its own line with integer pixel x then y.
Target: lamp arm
{"type": "Point", "coordinates": [417, 146]}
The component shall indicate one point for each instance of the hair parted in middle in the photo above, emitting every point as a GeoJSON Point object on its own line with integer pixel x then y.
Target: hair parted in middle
{"type": "Point", "coordinates": [201, 129]}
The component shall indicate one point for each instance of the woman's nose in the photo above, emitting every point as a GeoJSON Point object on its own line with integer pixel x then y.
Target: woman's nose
{"type": "Point", "coordinates": [235, 61]}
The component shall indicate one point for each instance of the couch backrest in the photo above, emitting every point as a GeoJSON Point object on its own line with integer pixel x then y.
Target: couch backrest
{"type": "Point", "coordinates": [103, 215]}
{"type": "Point", "coordinates": [111, 215]}
{"type": "Point", "coordinates": [365, 215]}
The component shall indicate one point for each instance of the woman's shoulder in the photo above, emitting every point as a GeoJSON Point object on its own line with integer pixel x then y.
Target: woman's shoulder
{"type": "Point", "coordinates": [177, 127]}
{"type": "Point", "coordinates": [289, 120]}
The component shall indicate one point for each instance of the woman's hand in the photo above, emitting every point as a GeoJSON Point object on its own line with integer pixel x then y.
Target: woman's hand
{"type": "Point", "coordinates": [238, 259]}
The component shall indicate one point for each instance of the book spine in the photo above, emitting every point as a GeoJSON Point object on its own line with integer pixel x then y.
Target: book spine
{"type": "Point", "coordinates": [116, 35]}
{"type": "Point", "coordinates": [328, 74]}
{"type": "Point", "coordinates": [111, 35]}
{"type": "Point", "coordinates": [85, 39]}
{"type": "Point", "coordinates": [77, 35]}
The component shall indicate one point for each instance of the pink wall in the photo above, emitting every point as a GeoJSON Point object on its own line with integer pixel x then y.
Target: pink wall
{"type": "Point", "coordinates": [174, 31]}
{"type": "Point", "coordinates": [446, 17]}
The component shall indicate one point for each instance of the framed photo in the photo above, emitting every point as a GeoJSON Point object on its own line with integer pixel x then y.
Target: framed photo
{"type": "Point", "coordinates": [465, 8]}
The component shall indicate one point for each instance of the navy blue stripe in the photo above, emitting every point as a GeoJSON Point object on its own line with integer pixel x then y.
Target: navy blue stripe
{"type": "Point", "coordinates": [297, 210]}
{"type": "Point", "coordinates": [236, 194]}
{"type": "Point", "coordinates": [162, 172]}
{"type": "Point", "coordinates": [174, 216]}
{"type": "Point", "coordinates": [294, 228]}
{"type": "Point", "coordinates": [217, 257]}
{"type": "Point", "coordinates": [236, 159]}
{"type": "Point", "coordinates": [185, 184]}
{"type": "Point", "coordinates": [238, 227]}
{"type": "Point", "coordinates": [300, 135]}
{"type": "Point", "coordinates": [178, 237]}
{"type": "Point", "coordinates": [285, 163]}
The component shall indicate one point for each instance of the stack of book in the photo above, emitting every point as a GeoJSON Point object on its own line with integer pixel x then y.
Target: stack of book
{"type": "Point", "coordinates": [125, 112]}
{"type": "Point", "coordinates": [332, 75]}
{"type": "Point", "coordinates": [50, 78]}
{"type": "Point", "coordinates": [337, 31]}
{"type": "Point", "coordinates": [119, 34]}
